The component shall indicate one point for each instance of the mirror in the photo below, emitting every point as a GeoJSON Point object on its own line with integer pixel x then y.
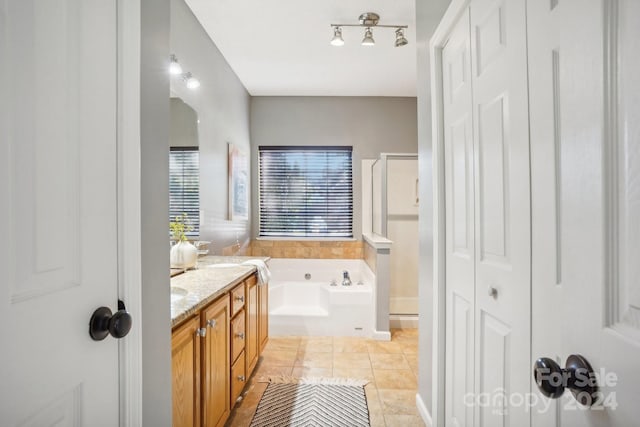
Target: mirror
{"type": "Point", "coordinates": [184, 124]}
{"type": "Point", "coordinates": [184, 167]}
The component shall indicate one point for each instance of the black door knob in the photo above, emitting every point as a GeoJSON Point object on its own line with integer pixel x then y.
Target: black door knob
{"type": "Point", "coordinates": [103, 323]}
{"type": "Point", "coordinates": [578, 376]}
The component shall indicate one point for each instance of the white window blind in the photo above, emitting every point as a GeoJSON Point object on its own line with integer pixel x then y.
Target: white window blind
{"type": "Point", "coordinates": [306, 191]}
{"type": "Point", "coordinates": [184, 186]}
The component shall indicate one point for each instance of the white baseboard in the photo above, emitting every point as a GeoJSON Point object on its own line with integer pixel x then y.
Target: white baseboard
{"type": "Point", "coordinates": [381, 335]}
{"type": "Point", "coordinates": [423, 411]}
{"type": "Point", "coordinates": [402, 321]}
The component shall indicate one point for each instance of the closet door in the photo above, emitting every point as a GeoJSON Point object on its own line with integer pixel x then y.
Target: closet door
{"type": "Point", "coordinates": [459, 207]}
{"type": "Point", "coordinates": [502, 212]}
{"type": "Point", "coordinates": [585, 139]}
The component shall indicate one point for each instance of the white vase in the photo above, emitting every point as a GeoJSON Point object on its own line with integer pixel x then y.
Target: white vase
{"type": "Point", "coordinates": [183, 255]}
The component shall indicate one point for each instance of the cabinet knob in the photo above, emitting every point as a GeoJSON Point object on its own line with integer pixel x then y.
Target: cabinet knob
{"type": "Point", "coordinates": [212, 323]}
{"type": "Point", "coordinates": [240, 298]}
{"type": "Point", "coordinates": [241, 378]}
{"type": "Point", "coordinates": [240, 335]}
{"type": "Point", "coordinates": [493, 292]}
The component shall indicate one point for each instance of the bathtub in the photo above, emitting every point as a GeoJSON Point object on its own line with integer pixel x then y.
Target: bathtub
{"type": "Point", "coordinates": [303, 302]}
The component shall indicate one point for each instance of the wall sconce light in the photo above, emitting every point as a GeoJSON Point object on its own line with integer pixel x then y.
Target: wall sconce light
{"type": "Point", "coordinates": [368, 20]}
{"type": "Point", "coordinates": [190, 81]}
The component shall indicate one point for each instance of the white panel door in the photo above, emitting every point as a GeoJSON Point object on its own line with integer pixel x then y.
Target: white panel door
{"type": "Point", "coordinates": [585, 139]}
{"type": "Point", "coordinates": [58, 192]}
{"type": "Point", "coordinates": [502, 217]}
{"type": "Point", "coordinates": [459, 224]}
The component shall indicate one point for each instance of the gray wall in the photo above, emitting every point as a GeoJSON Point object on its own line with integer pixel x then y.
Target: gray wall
{"type": "Point", "coordinates": [428, 14]}
{"type": "Point", "coordinates": [154, 117]}
{"type": "Point", "coordinates": [370, 124]}
{"type": "Point", "coordinates": [222, 105]}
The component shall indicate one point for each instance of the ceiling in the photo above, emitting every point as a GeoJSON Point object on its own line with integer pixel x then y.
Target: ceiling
{"type": "Point", "coordinates": [281, 48]}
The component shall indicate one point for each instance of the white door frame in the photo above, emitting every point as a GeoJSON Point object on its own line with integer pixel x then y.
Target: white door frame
{"type": "Point", "coordinates": [436, 46]}
{"type": "Point", "coordinates": [128, 191]}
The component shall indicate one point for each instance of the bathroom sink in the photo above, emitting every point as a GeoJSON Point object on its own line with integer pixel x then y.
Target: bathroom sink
{"type": "Point", "coordinates": [223, 265]}
{"type": "Point", "coordinates": [178, 293]}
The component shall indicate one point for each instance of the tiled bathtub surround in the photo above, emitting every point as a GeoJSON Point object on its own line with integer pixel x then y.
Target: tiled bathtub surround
{"type": "Point", "coordinates": [308, 249]}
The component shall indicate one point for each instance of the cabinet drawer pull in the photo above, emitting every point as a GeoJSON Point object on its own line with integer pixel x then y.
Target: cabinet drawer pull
{"type": "Point", "coordinates": [240, 298]}
{"type": "Point", "coordinates": [201, 332]}
{"type": "Point", "coordinates": [240, 335]}
{"type": "Point", "coordinates": [241, 378]}
{"type": "Point", "coordinates": [212, 323]}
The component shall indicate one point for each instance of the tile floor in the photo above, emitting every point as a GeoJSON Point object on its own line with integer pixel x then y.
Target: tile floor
{"type": "Point", "coordinates": [391, 368]}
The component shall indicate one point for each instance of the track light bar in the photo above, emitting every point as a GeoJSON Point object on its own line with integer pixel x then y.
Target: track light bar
{"type": "Point", "coordinates": [368, 20]}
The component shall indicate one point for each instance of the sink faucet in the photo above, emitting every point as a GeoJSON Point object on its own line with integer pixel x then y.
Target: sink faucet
{"type": "Point", "coordinates": [346, 280]}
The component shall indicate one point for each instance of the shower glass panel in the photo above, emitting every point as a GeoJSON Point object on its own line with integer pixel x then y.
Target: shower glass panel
{"type": "Point", "coordinates": [395, 216]}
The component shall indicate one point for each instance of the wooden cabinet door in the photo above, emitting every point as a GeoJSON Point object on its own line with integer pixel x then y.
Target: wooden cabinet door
{"type": "Point", "coordinates": [263, 316]}
{"type": "Point", "coordinates": [185, 370]}
{"type": "Point", "coordinates": [251, 326]}
{"type": "Point", "coordinates": [216, 366]}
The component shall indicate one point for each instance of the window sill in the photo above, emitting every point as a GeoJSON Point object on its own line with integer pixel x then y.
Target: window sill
{"type": "Point", "coordinates": [309, 239]}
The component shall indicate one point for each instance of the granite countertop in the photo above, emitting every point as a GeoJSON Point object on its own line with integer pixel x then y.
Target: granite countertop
{"type": "Point", "coordinates": [206, 283]}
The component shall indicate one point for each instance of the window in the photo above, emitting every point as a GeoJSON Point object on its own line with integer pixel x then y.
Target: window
{"type": "Point", "coordinates": [184, 186]}
{"type": "Point", "coordinates": [306, 191]}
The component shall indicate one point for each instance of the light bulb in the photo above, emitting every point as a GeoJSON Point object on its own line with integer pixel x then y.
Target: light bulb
{"type": "Point", "coordinates": [400, 39]}
{"type": "Point", "coordinates": [193, 83]}
{"type": "Point", "coordinates": [337, 39]}
{"type": "Point", "coordinates": [174, 66]}
{"type": "Point", "coordinates": [190, 81]}
{"type": "Point", "coordinates": [368, 38]}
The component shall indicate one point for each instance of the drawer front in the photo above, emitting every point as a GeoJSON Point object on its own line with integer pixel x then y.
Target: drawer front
{"type": "Point", "coordinates": [238, 378]}
{"type": "Point", "coordinates": [238, 336]}
{"type": "Point", "coordinates": [237, 299]}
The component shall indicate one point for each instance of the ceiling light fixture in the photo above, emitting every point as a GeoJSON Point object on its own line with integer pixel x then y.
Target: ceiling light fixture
{"type": "Point", "coordinates": [191, 82]}
{"type": "Point", "coordinates": [337, 39]}
{"type": "Point", "coordinates": [174, 66]}
{"type": "Point", "coordinates": [368, 20]}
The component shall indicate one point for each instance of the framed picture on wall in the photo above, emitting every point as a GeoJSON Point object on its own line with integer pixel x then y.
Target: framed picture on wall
{"type": "Point", "coordinates": [238, 170]}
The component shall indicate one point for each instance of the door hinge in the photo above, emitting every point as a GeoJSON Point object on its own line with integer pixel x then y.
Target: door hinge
{"type": "Point", "coordinates": [201, 332]}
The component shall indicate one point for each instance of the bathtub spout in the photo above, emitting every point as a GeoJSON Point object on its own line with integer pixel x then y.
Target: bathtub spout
{"type": "Point", "coordinates": [346, 280]}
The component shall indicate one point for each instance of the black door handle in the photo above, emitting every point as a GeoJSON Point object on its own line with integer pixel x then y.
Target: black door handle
{"type": "Point", "coordinates": [103, 323]}
{"type": "Point", "coordinates": [578, 376]}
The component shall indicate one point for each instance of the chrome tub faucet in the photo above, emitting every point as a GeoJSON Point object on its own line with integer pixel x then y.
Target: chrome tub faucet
{"type": "Point", "coordinates": [346, 280]}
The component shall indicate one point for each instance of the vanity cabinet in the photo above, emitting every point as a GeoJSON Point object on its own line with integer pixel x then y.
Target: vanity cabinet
{"type": "Point", "coordinates": [216, 362]}
{"type": "Point", "coordinates": [215, 352]}
{"type": "Point", "coordinates": [185, 365]}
